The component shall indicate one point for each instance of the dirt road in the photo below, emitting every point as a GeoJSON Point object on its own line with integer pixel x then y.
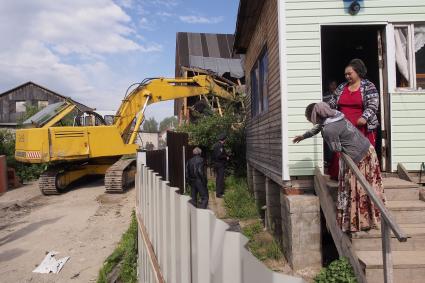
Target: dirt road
{"type": "Point", "coordinates": [84, 223]}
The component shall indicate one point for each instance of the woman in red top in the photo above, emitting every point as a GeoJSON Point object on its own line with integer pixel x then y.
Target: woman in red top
{"type": "Point", "coordinates": [358, 99]}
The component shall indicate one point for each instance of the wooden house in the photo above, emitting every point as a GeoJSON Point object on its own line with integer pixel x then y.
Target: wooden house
{"type": "Point", "coordinates": [13, 102]}
{"type": "Point", "coordinates": [292, 48]}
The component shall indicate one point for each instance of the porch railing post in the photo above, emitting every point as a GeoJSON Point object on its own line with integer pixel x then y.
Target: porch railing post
{"type": "Point", "coordinates": [386, 252]}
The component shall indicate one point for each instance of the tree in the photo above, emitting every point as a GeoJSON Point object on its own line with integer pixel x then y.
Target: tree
{"type": "Point", "coordinates": [30, 110]}
{"type": "Point", "coordinates": [150, 125]}
{"type": "Point", "coordinates": [168, 123]}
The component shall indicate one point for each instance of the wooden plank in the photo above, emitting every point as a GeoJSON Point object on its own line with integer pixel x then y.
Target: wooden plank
{"type": "Point", "coordinates": [153, 261]}
{"type": "Point", "coordinates": [386, 252]}
{"type": "Point", "coordinates": [391, 16]}
{"type": "Point", "coordinates": [411, 158]}
{"type": "Point", "coordinates": [342, 242]}
{"type": "Point", "coordinates": [316, 5]}
{"type": "Point", "coordinates": [407, 97]}
{"type": "Point", "coordinates": [409, 121]}
{"type": "Point", "coordinates": [403, 173]}
{"type": "Point", "coordinates": [411, 112]}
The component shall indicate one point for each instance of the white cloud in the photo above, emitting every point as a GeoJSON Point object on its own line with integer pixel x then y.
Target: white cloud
{"type": "Point", "coordinates": [65, 46]}
{"type": "Point", "coordinates": [193, 19]}
{"type": "Point", "coordinates": [167, 3]}
{"type": "Point", "coordinates": [164, 14]}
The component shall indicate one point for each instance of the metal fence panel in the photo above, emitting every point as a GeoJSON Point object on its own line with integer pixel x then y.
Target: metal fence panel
{"type": "Point", "coordinates": [189, 244]}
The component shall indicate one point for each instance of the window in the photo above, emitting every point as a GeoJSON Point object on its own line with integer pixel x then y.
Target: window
{"type": "Point", "coordinates": [259, 85]}
{"type": "Point", "coordinates": [20, 107]}
{"type": "Point", "coordinates": [410, 56]}
{"type": "Point", "coordinates": [42, 104]}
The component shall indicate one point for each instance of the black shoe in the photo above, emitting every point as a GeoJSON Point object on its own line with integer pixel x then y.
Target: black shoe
{"type": "Point", "coordinates": [219, 196]}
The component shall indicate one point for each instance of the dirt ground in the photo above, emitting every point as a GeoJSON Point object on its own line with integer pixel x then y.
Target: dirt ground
{"type": "Point", "coordinates": [84, 223]}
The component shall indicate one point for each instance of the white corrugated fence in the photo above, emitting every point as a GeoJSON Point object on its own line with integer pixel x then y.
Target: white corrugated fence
{"type": "Point", "coordinates": [180, 243]}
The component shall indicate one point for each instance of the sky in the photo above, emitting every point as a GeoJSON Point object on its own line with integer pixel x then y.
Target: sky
{"type": "Point", "coordinates": [92, 50]}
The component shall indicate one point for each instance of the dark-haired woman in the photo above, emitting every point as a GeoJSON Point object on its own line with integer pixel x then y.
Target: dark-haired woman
{"type": "Point", "coordinates": [355, 210]}
{"type": "Point", "coordinates": [358, 100]}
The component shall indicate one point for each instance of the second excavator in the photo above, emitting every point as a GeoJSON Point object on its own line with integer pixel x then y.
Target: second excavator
{"type": "Point", "coordinates": [73, 152]}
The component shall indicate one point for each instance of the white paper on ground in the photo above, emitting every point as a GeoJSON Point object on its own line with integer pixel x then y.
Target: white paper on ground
{"type": "Point", "coordinates": [50, 264]}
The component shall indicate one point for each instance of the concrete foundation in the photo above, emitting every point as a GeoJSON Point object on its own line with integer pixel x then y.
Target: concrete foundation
{"type": "Point", "coordinates": [259, 186]}
{"type": "Point", "coordinates": [301, 239]}
{"type": "Point", "coordinates": [273, 213]}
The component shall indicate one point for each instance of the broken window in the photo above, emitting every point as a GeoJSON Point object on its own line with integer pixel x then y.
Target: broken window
{"type": "Point", "coordinates": [410, 56]}
{"type": "Point", "coordinates": [42, 104]}
{"type": "Point", "coordinates": [259, 85]}
{"type": "Point", "coordinates": [20, 106]}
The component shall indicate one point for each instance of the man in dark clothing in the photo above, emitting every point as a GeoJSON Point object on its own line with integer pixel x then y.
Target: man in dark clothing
{"type": "Point", "coordinates": [220, 158]}
{"type": "Point", "coordinates": [197, 179]}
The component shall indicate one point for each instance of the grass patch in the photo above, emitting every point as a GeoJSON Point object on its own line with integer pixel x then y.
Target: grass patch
{"type": "Point", "coordinates": [126, 254]}
{"type": "Point", "coordinates": [238, 201]}
{"type": "Point", "coordinates": [261, 244]}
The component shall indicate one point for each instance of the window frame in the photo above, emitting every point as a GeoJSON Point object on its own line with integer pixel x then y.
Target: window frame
{"type": "Point", "coordinates": [259, 86]}
{"type": "Point", "coordinates": [23, 104]}
{"type": "Point", "coordinates": [411, 57]}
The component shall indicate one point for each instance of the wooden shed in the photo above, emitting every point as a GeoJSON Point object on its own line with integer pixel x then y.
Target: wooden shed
{"type": "Point", "coordinates": [13, 102]}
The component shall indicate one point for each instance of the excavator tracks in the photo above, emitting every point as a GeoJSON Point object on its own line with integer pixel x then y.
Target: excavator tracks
{"type": "Point", "coordinates": [47, 182]}
{"type": "Point", "coordinates": [120, 175]}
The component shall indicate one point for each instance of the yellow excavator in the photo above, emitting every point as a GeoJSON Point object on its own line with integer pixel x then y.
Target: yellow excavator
{"type": "Point", "coordinates": [75, 151]}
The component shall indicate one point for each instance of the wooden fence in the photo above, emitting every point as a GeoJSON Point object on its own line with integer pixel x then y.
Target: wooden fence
{"type": "Point", "coordinates": [181, 243]}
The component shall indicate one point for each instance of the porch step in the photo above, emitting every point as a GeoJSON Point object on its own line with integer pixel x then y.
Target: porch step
{"type": "Point", "coordinates": [396, 183]}
{"type": "Point", "coordinates": [407, 194]}
{"type": "Point", "coordinates": [409, 266]}
{"type": "Point", "coordinates": [399, 190]}
{"type": "Point", "coordinates": [371, 240]}
{"type": "Point", "coordinates": [407, 212]}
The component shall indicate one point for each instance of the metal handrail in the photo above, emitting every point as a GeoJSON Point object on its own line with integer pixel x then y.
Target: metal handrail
{"type": "Point", "coordinates": [388, 223]}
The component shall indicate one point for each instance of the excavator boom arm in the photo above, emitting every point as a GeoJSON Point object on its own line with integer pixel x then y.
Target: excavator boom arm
{"type": "Point", "coordinates": [163, 89]}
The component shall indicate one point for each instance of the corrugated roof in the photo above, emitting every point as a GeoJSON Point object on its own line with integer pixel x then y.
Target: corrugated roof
{"type": "Point", "coordinates": [208, 45]}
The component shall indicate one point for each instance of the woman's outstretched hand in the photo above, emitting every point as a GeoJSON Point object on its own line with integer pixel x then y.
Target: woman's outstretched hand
{"type": "Point", "coordinates": [297, 139]}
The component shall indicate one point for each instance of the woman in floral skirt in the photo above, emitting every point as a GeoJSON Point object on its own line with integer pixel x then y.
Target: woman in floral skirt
{"type": "Point", "coordinates": [355, 210]}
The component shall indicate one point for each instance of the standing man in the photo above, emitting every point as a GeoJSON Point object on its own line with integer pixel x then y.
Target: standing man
{"type": "Point", "coordinates": [197, 178]}
{"type": "Point", "coordinates": [220, 158]}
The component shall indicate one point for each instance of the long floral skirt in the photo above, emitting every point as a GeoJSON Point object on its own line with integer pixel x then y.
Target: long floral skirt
{"type": "Point", "coordinates": [355, 211]}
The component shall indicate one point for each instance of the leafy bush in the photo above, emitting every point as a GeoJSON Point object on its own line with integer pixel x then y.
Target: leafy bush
{"type": "Point", "coordinates": [238, 201]}
{"type": "Point", "coordinates": [206, 129]}
{"type": "Point", "coordinates": [339, 271]}
{"type": "Point", "coordinates": [25, 172]}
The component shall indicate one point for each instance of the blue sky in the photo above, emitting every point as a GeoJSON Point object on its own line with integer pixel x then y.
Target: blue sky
{"type": "Point", "coordinates": [93, 50]}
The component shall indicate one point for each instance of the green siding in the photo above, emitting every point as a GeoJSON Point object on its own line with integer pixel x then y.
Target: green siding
{"type": "Point", "coordinates": [303, 19]}
{"type": "Point", "coordinates": [408, 130]}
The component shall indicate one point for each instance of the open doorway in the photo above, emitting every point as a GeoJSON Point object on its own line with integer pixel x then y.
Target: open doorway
{"type": "Point", "coordinates": [341, 44]}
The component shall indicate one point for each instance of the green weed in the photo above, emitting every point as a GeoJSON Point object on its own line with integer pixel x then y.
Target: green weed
{"type": "Point", "coordinates": [126, 254]}
{"type": "Point", "coordinates": [339, 271]}
{"type": "Point", "coordinates": [238, 201]}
